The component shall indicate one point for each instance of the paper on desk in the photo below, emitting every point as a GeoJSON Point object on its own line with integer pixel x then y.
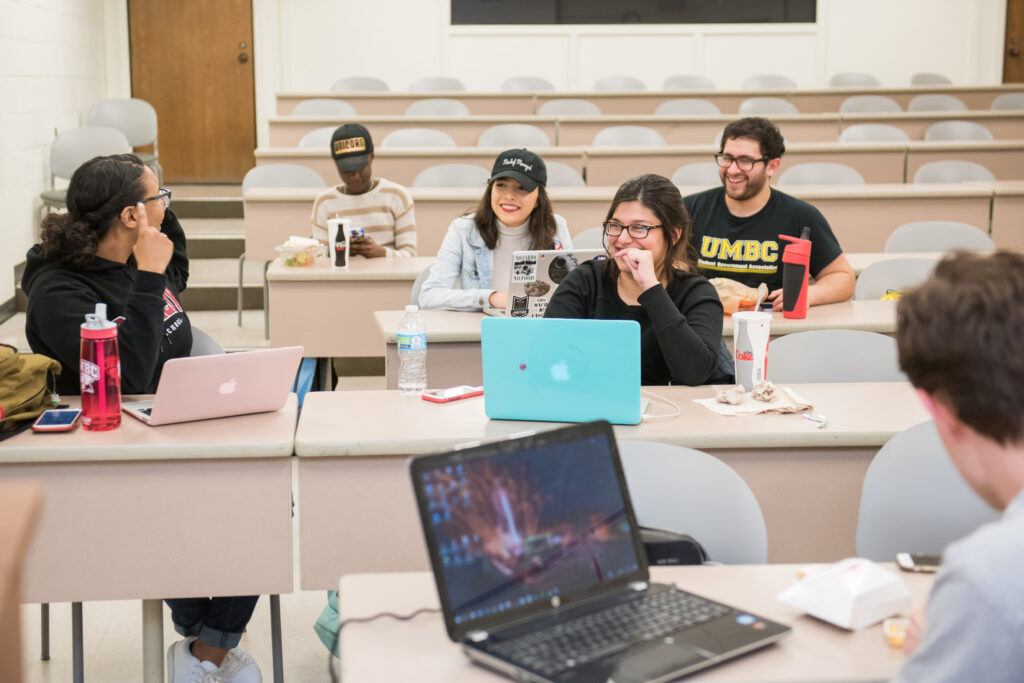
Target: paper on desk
{"type": "Point", "coordinates": [785, 401]}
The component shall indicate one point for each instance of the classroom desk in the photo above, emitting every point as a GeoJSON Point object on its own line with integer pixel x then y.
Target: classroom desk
{"type": "Point", "coordinates": [453, 337]}
{"type": "Point", "coordinates": [1005, 158]}
{"type": "Point", "coordinates": [1003, 124]}
{"type": "Point", "coordinates": [332, 311]}
{"type": "Point", "coordinates": [20, 503]}
{"type": "Point", "coordinates": [420, 649]}
{"type": "Point", "coordinates": [121, 508]}
{"type": "Point", "coordinates": [807, 100]}
{"type": "Point", "coordinates": [807, 480]}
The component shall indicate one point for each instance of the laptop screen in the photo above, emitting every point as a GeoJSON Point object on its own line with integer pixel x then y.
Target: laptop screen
{"type": "Point", "coordinates": [518, 526]}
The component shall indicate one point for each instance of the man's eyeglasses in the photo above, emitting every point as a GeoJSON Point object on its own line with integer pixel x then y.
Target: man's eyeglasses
{"type": "Point", "coordinates": [744, 163]}
{"type": "Point", "coordinates": [637, 232]}
{"type": "Point", "coordinates": [164, 195]}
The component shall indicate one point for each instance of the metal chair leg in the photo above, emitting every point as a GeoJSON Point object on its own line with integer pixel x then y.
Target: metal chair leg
{"type": "Point", "coordinates": [44, 629]}
{"type": "Point", "coordinates": [241, 266]}
{"type": "Point", "coordinates": [275, 638]}
{"type": "Point", "coordinates": [77, 656]}
{"type": "Point", "coordinates": [266, 302]}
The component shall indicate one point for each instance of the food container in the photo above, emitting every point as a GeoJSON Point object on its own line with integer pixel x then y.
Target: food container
{"type": "Point", "coordinates": [295, 256]}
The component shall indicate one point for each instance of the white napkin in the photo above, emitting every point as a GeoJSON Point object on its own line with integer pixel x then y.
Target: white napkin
{"type": "Point", "coordinates": [785, 401]}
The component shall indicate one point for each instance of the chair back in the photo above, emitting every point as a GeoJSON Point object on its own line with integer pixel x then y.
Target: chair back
{"type": "Point", "coordinates": [758, 106]}
{"type": "Point", "coordinates": [203, 344]}
{"type": "Point", "coordinates": [938, 236]}
{"type": "Point", "coordinates": [619, 84]}
{"type": "Point", "coordinates": [134, 117]}
{"type": "Point", "coordinates": [359, 84]}
{"type": "Point", "coordinates": [873, 132]}
{"type": "Point", "coordinates": [563, 175]}
{"type": "Point", "coordinates": [853, 79]}
{"type": "Point", "coordinates": [513, 135]}
{"type": "Point", "coordinates": [702, 173]}
{"type": "Point", "coordinates": [688, 491]}
{"type": "Point", "coordinates": [318, 138]}
{"type": "Point", "coordinates": [527, 84]}
{"type": "Point", "coordinates": [913, 499]}
{"type": "Point", "coordinates": [437, 106]}
{"type": "Point", "coordinates": [928, 78]}
{"type": "Point", "coordinates": [688, 106]}
{"type": "Point", "coordinates": [936, 102]}
{"type": "Point", "coordinates": [628, 136]}
{"type": "Point", "coordinates": [568, 107]}
{"type": "Point", "coordinates": [900, 274]}
{"type": "Point", "coordinates": [437, 84]}
{"type": "Point", "coordinates": [834, 356]}
{"type": "Point", "coordinates": [821, 173]}
{"type": "Point", "coordinates": [688, 82]}
{"type": "Point", "coordinates": [953, 171]}
{"type": "Point", "coordinates": [869, 104]}
{"type": "Point", "coordinates": [1008, 100]}
{"type": "Point", "coordinates": [414, 296]}
{"type": "Point", "coordinates": [417, 138]}
{"type": "Point", "coordinates": [281, 175]}
{"type": "Point", "coordinates": [957, 130]}
{"type": "Point", "coordinates": [591, 238]}
{"type": "Point", "coordinates": [324, 107]}
{"type": "Point", "coordinates": [452, 175]}
{"type": "Point", "coordinates": [75, 146]}
{"type": "Point", "coordinates": [768, 82]}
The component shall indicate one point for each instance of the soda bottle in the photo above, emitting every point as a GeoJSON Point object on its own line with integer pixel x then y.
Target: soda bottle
{"type": "Point", "coordinates": [100, 372]}
{"type": "Point", "coordinates": [412, 353]}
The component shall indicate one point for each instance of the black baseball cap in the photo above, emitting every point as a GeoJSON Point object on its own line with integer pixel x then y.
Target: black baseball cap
{"type": "Point", "coordinates": [351, 146]}
{"type": "Point", "coordinates": [521, 165]}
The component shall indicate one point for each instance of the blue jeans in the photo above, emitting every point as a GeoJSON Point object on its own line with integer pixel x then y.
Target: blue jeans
{"type": "Point", "coordinates": [218, 622]}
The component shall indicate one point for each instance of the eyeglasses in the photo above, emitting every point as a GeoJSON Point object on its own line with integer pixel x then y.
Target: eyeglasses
{"type": "Point", "coordinates": [637, 232]}
{"type": "Point", "coordinates": [745, 163]}
{"type": "Point", "coordinates": [164, 195]}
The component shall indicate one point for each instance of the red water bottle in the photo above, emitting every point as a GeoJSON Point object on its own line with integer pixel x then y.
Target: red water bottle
{"type": "Point", "coordinates": [796, 262]}
{"type": "Point", "coordinates": [99, 368]}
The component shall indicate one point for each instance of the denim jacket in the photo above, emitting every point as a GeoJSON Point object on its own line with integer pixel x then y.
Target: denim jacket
{"type": "Point", "coordinates": [460, 279]}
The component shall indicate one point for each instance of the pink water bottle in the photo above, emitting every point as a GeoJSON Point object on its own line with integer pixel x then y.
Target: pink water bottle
{"type": "Point", "coordinates": [100, 372]}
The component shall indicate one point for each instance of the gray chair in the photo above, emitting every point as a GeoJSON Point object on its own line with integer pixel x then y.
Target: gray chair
{"type": "Point", "coordinates": [688, 82]}
{"type": "Point", "coordinates": [953, 171]}
{"type": "Point", "coordinates": [273, 175]}
{"type": "Point", "coordinates": [899, 274]}
{"type": "Point", "coordinates": [768, 82]}
{"type": "Point", "coordinates": [417, 138]}
{"type": "Point", "coordinates": [913, 499]}
{"type": "Point", "coordinates": [873, 132]}
{"type": "Point", "coordinates": [766, 106]}
{"type": "Point", "coordinates": [688, 107]}
{"type": "Point", "coordinates": [702, 173]}
{"type": "Point", "coordinates": [936, 102]}
{"type": "Point", "coordinates": [928, 78]}
{"type": "Point", "coordinates": [74, 147]}
{"type": "Point", "coordinates": [568, 107]}
{"type": "Point", "coordinates": [591, 238]}
{"type": "Point", "coordinates": [937, 236]}
{"type": "Point", "coordinates": [563, 175]}
{"type": "Point", "coordinates": [820, 173]}
{"type": "Point", "coordinates": [437, 106]}
{"type": "Point", "coordinates": [619, 84]}
{"type": "Point", "coordinates": [1009, 100]}
{"type": "Point", "coordinates": [834, 356]}
{"type": "Point", "coordinates": [628, 136]}
{"type": "Point", "coordinates": [414, 295]}
{"type": "Point", "coordinates": [688, 491]}
{"type": "Point", "coordinates": [507, 135]}
{"type": "Point", "coordinates": [957, 130]}
{"type": "Point", "coordinates": [869, 104]}
{"type": "Point", "coordinates": [437, 84]}
{"type": "Point", "coordinates": [204, 345]}
{"type": "Point", "coordinates": [853, 79]}
{"type": "Point", "coordinates": [318, 138]}
{"type": "Point", "coordinates": [452, 175]}
{"type": "Point", "coordinates": [137, 120]}
{"type": "Point", "coordinates": [527, 84]}
{"type": "Point", "coordinates": [324, 107]}
{"type": "Point", "coordinates": [359, 84]}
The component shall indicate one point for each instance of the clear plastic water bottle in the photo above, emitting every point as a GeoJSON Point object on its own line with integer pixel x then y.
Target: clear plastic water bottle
{"type": "Point", "coordinates": [412, 353]}
{"type": "Point", "coordinates": [100, 371]}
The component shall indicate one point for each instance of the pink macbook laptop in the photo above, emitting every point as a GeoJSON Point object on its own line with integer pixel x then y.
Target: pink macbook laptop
{"type": "Point", "coordinates": [205, 387]}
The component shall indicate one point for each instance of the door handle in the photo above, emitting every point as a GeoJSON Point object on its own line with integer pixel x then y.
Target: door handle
{"type": "Point", "coordinates": [1014, 52]}
{"type": "Point", "coordinates": [243, 57]}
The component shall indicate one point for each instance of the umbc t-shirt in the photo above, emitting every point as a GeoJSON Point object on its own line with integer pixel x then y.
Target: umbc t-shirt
{"type": "Point", "coordinates": [749, 249]}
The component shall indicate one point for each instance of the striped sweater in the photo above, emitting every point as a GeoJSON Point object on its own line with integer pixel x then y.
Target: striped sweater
{"type": "Point", "coordinates": [385, 212]}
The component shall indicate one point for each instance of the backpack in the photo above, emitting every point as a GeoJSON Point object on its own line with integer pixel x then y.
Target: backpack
{"type": "Point", "coordinates": [27, 382]}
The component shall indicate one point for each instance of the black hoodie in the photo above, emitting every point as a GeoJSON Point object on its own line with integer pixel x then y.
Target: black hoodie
{"type": "Point", "coordinates": [152, 325]}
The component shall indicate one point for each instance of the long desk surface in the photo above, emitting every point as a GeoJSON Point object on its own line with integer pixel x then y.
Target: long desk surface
{"type": "Point", "coordinates": [352, 448]}
{"type": "Point", "coordinates": [807, 100]}
{"type": "Point", "coordinates": [420, 650]}
{"type": "Point", "coordinates": [862, 216]}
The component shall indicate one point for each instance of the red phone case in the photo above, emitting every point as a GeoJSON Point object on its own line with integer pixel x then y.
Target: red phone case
{"type": "Point", "coordinates": [449, 399]}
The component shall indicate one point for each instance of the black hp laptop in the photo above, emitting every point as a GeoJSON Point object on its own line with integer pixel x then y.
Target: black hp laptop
{"type": "Point", "coordinates": [541, 572]}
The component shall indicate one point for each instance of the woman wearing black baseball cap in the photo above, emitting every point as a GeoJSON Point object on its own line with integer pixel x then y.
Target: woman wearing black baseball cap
{"type": "Point", "coordinates": [514, 214]}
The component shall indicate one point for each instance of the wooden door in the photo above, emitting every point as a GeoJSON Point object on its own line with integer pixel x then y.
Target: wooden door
{"type": "Point", "coordinates": [192, 60]}
{"type": "Point", "coordinates": [1013, 59]}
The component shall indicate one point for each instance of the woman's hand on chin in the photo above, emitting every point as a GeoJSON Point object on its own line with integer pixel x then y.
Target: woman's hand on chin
{"type": "Point", "coordinates": [639, 263]}
{"type": "Point", "coordinates": [153, 249]}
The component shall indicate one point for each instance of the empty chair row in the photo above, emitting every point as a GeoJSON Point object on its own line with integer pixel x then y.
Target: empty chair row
{"type": "Point", "coordinates": [830, 173]}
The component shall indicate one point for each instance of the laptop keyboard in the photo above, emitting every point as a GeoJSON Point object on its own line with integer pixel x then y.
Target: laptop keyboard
{"type": "Point", "coordinates": [594, 636]}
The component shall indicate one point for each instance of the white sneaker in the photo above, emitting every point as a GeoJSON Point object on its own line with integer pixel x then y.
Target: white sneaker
{"type": "Point", "coordinates": [239, 667]}
{"type": "Point", "coordinates": [184, 667]}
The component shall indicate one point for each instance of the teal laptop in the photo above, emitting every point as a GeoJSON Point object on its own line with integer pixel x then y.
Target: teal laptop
{"type": "Point", "coordinates": [561, 370]}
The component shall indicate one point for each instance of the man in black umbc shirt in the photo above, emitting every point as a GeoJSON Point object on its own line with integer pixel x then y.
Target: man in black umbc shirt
{"type": "Point", "coordinates": [736, 227]}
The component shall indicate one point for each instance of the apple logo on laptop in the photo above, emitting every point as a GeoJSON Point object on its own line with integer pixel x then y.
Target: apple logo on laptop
{"type": "Point", "coordinates": [560, 371]}
{"type": "Point", "coordinates": [229, 387]}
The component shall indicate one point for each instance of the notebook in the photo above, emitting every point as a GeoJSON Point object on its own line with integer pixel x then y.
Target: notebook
{"type": "Point", "coordinates": [540, 569]}
{"type": "Point", "coordinates": [535, 275]}
{"type": "Point", "coordinates": [562, 370]}
{"type": "Point", "coordinates": [204, 387]}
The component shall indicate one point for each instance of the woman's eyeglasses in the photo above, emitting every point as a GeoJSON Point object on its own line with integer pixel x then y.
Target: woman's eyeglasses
{"type": "Point", "coordinates": [164, 195]}
{"type": "Point", "coordinates": [637, 232]}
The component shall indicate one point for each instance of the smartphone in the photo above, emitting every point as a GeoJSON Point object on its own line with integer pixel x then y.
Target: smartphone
{"type": "Point", "coordinates": [918, 562]}
{"type": "Point", "coordinates": [57, 420]}
{"type": "Point", "coordinates": [452, 393]}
